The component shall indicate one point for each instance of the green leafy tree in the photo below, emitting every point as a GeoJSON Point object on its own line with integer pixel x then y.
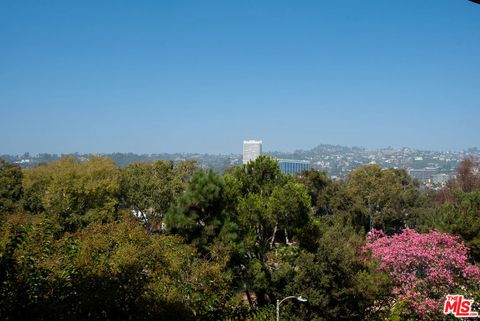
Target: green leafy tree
{"type": "Point", "coordinates": [387, 196]}
{"type": "Point", "coordinates": [35, 183]}
{"type": "Point", "coordinates": [150, 189]}
{"type": "Point", "coordinates": [78, 192]}
{"type": "Point", "coordinates": [271, 210]}
{"type": "Point", "coordinates": [258, 176]}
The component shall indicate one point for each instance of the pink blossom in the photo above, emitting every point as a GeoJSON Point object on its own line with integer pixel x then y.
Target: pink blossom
{"type": "Point", "coordinates": [424, 267]}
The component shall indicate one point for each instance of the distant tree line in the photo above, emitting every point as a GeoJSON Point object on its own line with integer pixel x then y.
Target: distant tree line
{"type": "Point", "coordinates": [163, 240]}
{"type": "Point", "coordinates": [218, 163]}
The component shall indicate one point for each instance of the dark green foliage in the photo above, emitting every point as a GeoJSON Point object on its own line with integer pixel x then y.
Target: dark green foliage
{"type": "Point", "coordinates": [321, 189]}
{"type": "Point", "coordinates": [460, 217]}
{"type": "Point", "coordinates": [334, 279]}
{"type": "Point", "coordinates": [10, 186]}
{"type": "Point", "coordinates": [199, 215]}
{"type": "Point", "coordinates": [259, 176]}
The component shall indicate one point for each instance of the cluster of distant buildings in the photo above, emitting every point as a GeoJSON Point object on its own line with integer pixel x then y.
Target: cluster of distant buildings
{"type": "Point", "coordinates": [430, 176]}
{"type": "Point", "coordinates": [253, 148]}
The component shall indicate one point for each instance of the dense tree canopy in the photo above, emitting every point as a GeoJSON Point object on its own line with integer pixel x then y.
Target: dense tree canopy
{"type": "Point", "coordinates": [113, 271]}
{"type": "Point", "coordinates": [82, 239]}
{"type": "Point", "coordinates": [77, 192]}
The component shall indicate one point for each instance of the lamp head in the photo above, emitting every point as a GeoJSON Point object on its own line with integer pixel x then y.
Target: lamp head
{"type": "Point", "coordinates": [301, 299]}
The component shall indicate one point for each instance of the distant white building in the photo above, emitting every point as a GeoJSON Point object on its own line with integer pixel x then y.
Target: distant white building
{"type": "Point", "coordinates": [251, 150]}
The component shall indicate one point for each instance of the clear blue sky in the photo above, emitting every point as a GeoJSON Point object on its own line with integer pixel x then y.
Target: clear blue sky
{"type": "Point", "coordinates": [202, 76]}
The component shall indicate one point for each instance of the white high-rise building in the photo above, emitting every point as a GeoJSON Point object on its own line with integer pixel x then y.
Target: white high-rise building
{"type": "Point", "coordinates": [251, 150]}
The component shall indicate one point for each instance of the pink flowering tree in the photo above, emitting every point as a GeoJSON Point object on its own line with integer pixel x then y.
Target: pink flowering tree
{"type": "Point", "coordinates": [425, 268]}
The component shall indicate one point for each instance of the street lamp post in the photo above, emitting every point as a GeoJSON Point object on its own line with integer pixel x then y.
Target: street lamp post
{"type": "Point", "coordinates": [299, 298]}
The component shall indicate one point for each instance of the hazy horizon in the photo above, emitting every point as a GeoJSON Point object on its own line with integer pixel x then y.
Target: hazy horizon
{"type": "Point", "coordinates": [200, 77]}
{"type": "Point", "coordinates": [239, 152]}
